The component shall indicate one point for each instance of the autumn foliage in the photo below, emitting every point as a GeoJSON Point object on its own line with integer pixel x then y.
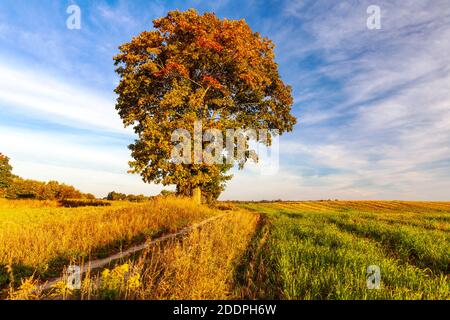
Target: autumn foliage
{"type": "Point", "coordinates": [196, 67]}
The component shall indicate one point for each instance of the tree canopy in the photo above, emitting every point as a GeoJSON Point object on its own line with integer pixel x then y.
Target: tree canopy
{"type": "Point", "coordinates": [191, 68]}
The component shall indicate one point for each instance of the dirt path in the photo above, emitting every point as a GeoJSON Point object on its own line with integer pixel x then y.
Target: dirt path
{"type": "Point", "coordinates": [99, 263]}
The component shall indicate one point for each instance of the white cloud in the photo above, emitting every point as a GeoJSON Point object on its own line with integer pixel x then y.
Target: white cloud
{"type": "Point", "coordinates": [89, 163]}
{"type": "Point", "coordinates": [63, 149]}
{"type": "Point", "coordinates": [119, 15]}
{"type": "Point", "coordinates": [57, 100]}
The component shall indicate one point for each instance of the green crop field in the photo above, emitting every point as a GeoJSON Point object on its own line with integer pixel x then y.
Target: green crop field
{"type": "Point", "coordinates": [321, 250]}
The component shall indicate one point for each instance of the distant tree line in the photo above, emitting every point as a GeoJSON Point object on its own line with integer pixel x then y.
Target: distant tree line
{"type": "Point", "coordinates": [52, 190]}
{"type": "Point", "coordinates": [115, 196]}
{"type": "Point", "coordinates": [14, 187]}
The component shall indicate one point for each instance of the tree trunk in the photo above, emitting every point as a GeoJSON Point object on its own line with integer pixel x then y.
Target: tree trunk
{"type": "Point", "coordinates": [197, 195]}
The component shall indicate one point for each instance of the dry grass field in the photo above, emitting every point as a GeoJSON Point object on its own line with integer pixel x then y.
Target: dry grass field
{"type": "Point", "coordinates": [42, 239]}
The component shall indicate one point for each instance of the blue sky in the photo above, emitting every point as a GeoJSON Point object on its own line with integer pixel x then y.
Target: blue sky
{"type": "Point", "coordinates": [373, 105]}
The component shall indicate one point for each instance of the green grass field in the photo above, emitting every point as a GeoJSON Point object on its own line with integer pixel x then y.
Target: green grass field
{"type": "Point", "coordinates": [321, 250]}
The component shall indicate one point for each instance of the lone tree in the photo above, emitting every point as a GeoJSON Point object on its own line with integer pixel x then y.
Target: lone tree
{"type": "Point", "coordinates": [5, 174]}
{"type": "Point", "coordinates": [191, 68]}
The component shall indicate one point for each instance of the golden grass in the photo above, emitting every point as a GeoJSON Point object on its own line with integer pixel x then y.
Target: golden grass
{"type": "Point", "coordinates": [34, 238]}
{"type": "Point", "coordinates": [200, 266]}
{"type": "Point", "coordinates": [26, 203]}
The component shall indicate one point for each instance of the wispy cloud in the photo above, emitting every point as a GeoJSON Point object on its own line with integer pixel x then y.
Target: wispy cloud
{"type": "Point", "coordinates": [380, 130]}
{"type": "Point", "coordinates": [56, 99]}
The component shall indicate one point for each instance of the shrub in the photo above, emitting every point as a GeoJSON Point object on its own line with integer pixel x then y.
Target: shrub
{"type": "Point", "coordinates": [117, 196]}
{"type": "Point", "coordinates": [74, 203]}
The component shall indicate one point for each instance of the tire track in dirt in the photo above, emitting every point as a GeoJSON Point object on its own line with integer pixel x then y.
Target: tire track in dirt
{"type": "Point", "coordinates": [99, 263]}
